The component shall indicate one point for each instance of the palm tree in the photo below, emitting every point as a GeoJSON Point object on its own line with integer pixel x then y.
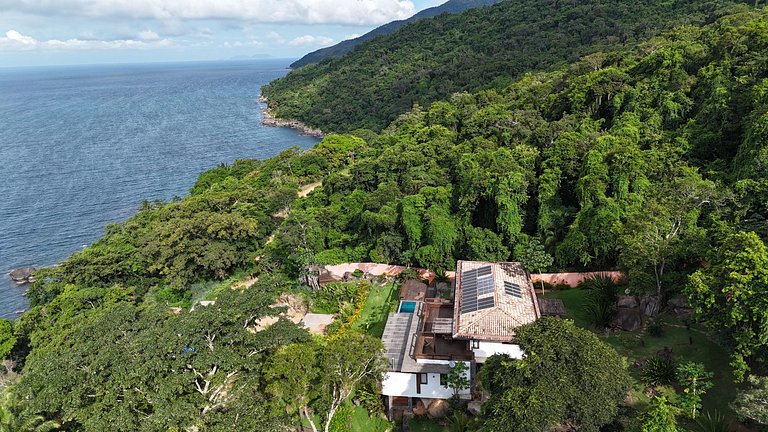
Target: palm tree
{"type": "Point", "coordinates": [12, 418]}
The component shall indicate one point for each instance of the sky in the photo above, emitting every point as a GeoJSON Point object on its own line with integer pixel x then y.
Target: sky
{"type": "Point", "coordinates": [58, 32]}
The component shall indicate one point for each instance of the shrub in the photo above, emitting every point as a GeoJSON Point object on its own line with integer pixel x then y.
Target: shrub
{"type": "Point", "coordinates": [331, 298]}
{"type": "Point", "coordinates": [598, 282]}
{"type": "Point", "coordinates": [659, 371]}
{"type": "Point", "coordinates": [602, 295]}
{"type": "Point", "coordinates": [342, 421]}
{"type": "Point", "coordinates": [656, 328]}
{"type": "Point", "coordinates": [712, 422]}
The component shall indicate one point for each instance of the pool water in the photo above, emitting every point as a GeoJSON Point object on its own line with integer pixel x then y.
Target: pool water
{"type": "Point", "coordinates": [407, 306]}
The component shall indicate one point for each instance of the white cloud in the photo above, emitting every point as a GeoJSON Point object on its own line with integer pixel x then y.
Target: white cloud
{"type": "Point", "coordinates": [148, 35]}
{"type": "Point", "coordinates": [352, 36]}
{"type": "Point", "coordinates": [311, 40]}
{"type": "Point", "coordinates": [15, 41]}
{"type": "Point", "coordinates": [353, 12]}
{"type": "Point", "coordinates": [13, 37]}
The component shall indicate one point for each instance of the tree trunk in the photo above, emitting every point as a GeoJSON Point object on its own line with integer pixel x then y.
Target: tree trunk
{"type": "Point", "coordinates": [541, 279]}
{"type": "Point", "coordinates": [658, 270]}
{"type": "Point", "coordinates": [309, 419]}
{"type": "Point", "coordinates": [331, 413]}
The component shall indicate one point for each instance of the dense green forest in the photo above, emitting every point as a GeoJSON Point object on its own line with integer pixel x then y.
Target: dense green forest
{"type": "Point", "coordinates": [343, 47]}
{"type": "Point", "coordinates": [485, 48]}
{"type": "Point", "coordinates": [652, 159]}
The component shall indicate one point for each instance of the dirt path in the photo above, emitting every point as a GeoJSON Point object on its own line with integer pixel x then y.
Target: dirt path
{"type": "Point", "coordinates": [306, 189]}
{"type": "Point", "coordinates": [303, 192]}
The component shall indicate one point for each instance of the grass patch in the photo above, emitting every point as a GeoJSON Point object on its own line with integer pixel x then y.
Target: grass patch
{"type": "Point", "coordinates": [676, 337]}
{"type": "Point", "coordinates": [362, 422]}
{"type": "Point", "coordinates": [574, 300]}
{"type": "Point", "coordinates": [380, 301]}
{"type": "Point", "coordinates": [426, 424]}
{"type": "Point", "coordinates": [701, 350]}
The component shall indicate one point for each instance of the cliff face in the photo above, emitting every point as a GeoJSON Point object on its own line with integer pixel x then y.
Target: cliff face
{"type": "Point", "coordinates": [341, 48]}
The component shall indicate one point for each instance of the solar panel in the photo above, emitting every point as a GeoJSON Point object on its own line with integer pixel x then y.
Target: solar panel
{"type": "Point", "coordinates": [484, 285]}
{"type": "Point", "coordinates": [474, 284]}
{"type": "Point", "coordinates": [513, 289]}
{"type": "Point", "coordinates": [485, 303]}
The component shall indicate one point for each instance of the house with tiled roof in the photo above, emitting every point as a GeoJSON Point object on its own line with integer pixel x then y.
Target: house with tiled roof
{"type": "Point", "coordinates": [431, 332]}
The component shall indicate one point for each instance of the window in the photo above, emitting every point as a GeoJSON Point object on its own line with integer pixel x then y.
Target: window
{"type": "Point", "coordinates": [444, 380]}
{"type": "Point", "coordinates": [423, 378]}
{"type": "Point", "coordinates": [475, 344]}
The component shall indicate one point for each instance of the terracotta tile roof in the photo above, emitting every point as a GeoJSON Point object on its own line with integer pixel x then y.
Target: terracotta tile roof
{"type": "Point", "coordinates": [498, 322]}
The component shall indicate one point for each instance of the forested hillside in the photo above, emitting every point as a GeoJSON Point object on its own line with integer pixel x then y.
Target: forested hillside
{"type": "Point", "coordinates": [341, 48]}
{"type": "Point", "coordinates": [479, 49]}
{"type": "Point", "coordinates": [652, 159]}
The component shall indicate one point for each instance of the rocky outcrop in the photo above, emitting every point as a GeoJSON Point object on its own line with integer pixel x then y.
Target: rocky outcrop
{"type": "Point", "coordinates": [23, 275]}
{"type": "Point", "coordinates": [474, 407]}
{"type": "Point", "coordinates": [627, 301]}
{"type": "Point", "coordinates": [627, 319]}
{"type": "Point", "coordinates": [651, 305]}
{"type": "Point", "coordinates": [419, 409]}
{"type": "Point", "coordinates": [680, 306]}
{"type": "Point", "coordinates": [438, 408]}
{"type": "Point", "coordinates": [310, 276]}
{"type": "Point", "coordinates": [272, 121]}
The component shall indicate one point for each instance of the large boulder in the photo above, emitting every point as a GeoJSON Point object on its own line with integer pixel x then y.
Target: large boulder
{"type": "Point", "coordinates": [678, 302]}
{"type": "Point", "coordinates": [627, 301]}
{"type": "Point", "coordinates": [627, 319]}
{"type": "Point", "coordinates": [310, 276]}
{"type": "Point", "coordinates": [438, 408]}
{"type": "Point", "coordinates": [22, 275]}
{"type": "Point", "coordinates": [651, 305]}
{"type": "Point", "coordinates": [419, 409]}
{"type": "Point", "coordinates": [474, 407]}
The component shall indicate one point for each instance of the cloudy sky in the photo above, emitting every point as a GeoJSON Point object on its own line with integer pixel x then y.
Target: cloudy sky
{"type": "Point", "coordinates": [48, 32]}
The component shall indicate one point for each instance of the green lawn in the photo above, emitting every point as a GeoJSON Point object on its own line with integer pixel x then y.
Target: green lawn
{"type": "Point", "coordinates": [426, 424]}
{"type": "Point", "coordinates": [573, 300]}
{"type": "Point", "coordinates": [353, 419]}
{"type": "Point", "coordinates": [381, 300]}
{"type": "Point", "coordinates": [676, 337]}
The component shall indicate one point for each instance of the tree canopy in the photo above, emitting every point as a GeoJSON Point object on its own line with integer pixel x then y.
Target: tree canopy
{"type": "Point", "coordinates": [485, 48]}
{"type": "Point", "coordinates": [567, 376]}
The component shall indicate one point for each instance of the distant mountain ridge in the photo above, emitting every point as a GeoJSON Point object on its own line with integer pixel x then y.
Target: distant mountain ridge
{"type": "Point", "coordinates": [478, 49]}
{"type": "Point", "coordinates": [341, 48]}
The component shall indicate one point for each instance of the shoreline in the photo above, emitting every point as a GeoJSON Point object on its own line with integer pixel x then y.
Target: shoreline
{"type": "Point", "coordinates": [272, 121]}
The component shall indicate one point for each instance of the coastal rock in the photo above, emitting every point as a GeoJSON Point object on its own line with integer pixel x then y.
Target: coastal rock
{"type": "Point", "coordinates": [22, 275]}
{"type": "Point", "coordinates": [272, 121]}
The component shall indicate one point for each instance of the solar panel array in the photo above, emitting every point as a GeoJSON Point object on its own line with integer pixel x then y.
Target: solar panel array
{"type": "Point", "coordinates": [476, 283]}
{"type": "Point", "coordinates": [513, 289]}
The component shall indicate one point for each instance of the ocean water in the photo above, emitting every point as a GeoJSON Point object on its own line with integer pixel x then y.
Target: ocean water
{"type": "Point", "coordinates": [82, 147]}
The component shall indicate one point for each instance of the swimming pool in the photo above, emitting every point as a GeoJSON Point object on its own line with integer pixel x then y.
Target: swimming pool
{"type": "Point", "coordinates": [407, 307]}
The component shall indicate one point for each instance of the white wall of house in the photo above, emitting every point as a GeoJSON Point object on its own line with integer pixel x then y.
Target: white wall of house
{"type": "Point", "coordinates": [404, 384]}
{"type": "Point", "coordinates": [487, 349]}
{"type": "Point", "coordinates": [431, 361]}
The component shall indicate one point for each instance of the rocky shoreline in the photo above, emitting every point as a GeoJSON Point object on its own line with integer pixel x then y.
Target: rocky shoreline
{"type": "Point", "coordinates": [272, 121]}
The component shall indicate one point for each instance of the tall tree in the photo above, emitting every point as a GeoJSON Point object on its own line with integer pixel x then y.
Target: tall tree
{"type": "Point", "coordinates": [535, 258]}
{"type": "Point", "coordinates": [731, 296]}
{"type": "Point", "coordinates": [346, 361]}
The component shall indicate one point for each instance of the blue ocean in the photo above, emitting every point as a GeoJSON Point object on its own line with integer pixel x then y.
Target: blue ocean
{"type": "Point", "coordinates": [83, 146]}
